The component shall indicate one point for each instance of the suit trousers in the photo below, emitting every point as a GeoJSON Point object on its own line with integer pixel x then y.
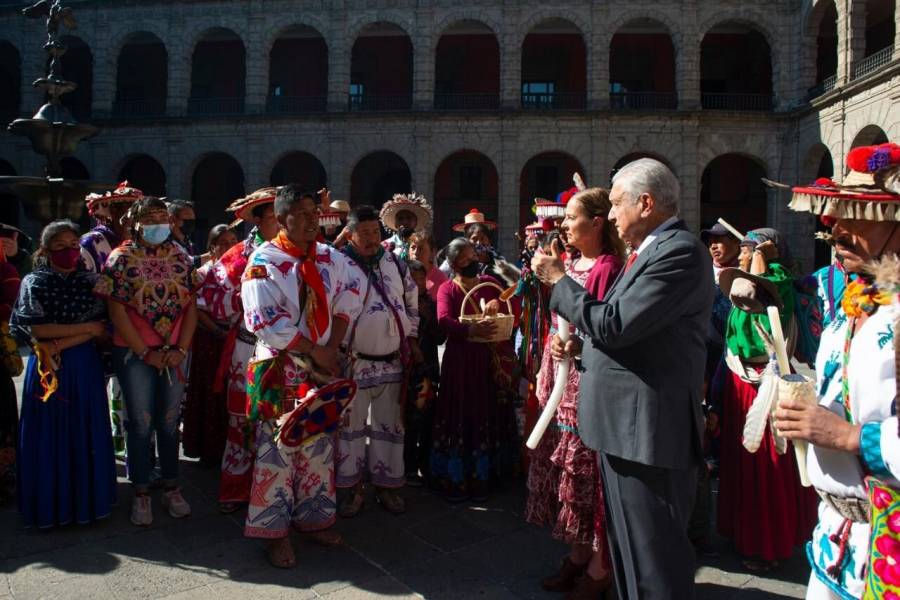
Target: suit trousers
{"type": "Point", "coordinates": [647, 514]}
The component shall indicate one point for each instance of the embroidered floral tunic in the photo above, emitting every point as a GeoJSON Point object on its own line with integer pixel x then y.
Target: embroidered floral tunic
{"type": "Point", "coordinates": [871, 391]}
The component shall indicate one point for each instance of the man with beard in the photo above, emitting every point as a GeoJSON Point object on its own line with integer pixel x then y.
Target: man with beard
{"type": "Point", "coordinates": [404, 215]}
{"type": "Point", "coordinates": [854, 452]}
{"type": "Point", "coordinates": [299, 300]}
{"type": "Point", "coordinates": [220, 297]}
{"type": "Point", "coordinates": [381, 344]}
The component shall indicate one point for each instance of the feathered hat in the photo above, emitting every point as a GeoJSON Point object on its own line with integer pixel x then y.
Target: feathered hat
{"type": "Point", "coordinates": [869, 192]}
{"type": "Point", "coordinates": [556, 209]}
{"type": "Point", "coordinates": [98, 204]}
{"type": "Point", "coordinates": [243, 207]}
{"type": "Point", "coordinates": [411, 202]}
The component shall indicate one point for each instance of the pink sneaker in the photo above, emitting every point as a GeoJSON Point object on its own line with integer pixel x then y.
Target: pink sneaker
{"type": "Point", "coordinates": [141, 513]}
{"type": "Point", "coordinates": [175, 502]}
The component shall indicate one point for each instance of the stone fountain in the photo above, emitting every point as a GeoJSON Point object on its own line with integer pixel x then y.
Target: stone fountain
{"type": "Point", "coordinates": [53, 132]}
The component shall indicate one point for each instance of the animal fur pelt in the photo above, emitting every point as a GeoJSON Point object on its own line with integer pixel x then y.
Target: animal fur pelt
{"type": "Point", "coordinates": [509, 272]}
{"type": "Point", "coordinates": [886, 272]}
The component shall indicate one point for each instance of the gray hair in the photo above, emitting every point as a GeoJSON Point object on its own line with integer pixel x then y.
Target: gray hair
{"type": "Point", "coordinates": [650, 176]}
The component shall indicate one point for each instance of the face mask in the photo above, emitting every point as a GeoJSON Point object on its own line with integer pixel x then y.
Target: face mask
{"type": "Point", "coordinates": [470, 270]}
{"type": "Point", "coordinates": [188, 226]}
{"type": "Point", "coordinates": [155, 234]}
{"type": "Point", "coordinates": [67, 258]}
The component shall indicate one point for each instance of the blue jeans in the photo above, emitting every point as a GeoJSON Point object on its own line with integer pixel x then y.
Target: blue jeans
{"type": "Point", "coordinates": [152, 403]}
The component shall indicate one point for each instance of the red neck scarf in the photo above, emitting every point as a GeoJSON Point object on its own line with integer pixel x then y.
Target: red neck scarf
{"type": "Point", "coordinates": [316, 308]}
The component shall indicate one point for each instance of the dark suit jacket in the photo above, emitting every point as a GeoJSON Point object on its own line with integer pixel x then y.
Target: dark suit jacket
{"type": "Point", "coordinates": [644, 353]}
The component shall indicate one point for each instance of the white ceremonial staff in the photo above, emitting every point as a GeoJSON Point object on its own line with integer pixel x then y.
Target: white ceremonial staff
{"type": "Point", "coordinates": [733, 230]}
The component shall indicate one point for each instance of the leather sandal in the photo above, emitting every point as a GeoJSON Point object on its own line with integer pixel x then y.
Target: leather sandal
{"type": "Point", "coordinates": [325, 537]}
{"type": "Point", "coordinates": [390, 501]}
{"type": "Point", "coordinates": [281, 554]}
{"type": "Point", "coordinates": [588, 588]}
{"type": "Point", "coordinates": [351, 505]}
{"type": "Point", "coordinates": [564, 579]}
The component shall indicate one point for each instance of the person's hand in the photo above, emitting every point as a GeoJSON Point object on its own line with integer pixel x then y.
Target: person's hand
{"type": "Point", "coordinates": [10, 246]}
{"type": "Point", "coordinates": [156, 359]}
{"type": "Point", "coordinates": [325, 358]}
{"type": "Point", "coordinates": [492, 308]}
{"type": "Point", "coordinates": [173, 358]}
{"type": "Point", "coordinates": [562, 351]}
{"type": "Point", "coordinates": [549, 268]}
{"type": "Point", "coordinates": [96, 329]}
{"type": "Point", "coordinates": [482, 329]}
{"type": "Point", "coordinates": [817, 425]}
{"type": "Point", "coordinates": [769, 250]}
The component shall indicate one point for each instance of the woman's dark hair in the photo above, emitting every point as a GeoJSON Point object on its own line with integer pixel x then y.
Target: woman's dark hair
{"type": "Point", "coordinates": [455, 248]}
{"type": "Point", "coordinates": [214, 234]}
{"type": "Point", "coordinates": [51, 231]}
{"type": "Point", "coordinates": [142, 207]}
{"type": "Point", "coordinates": [361, 214]}
{"type": "Point", "coordinates": [473, 227]}
{"type": "Point", "coordinates": [173, 206]}
{"type": "Point", "coordinates": [417, 266]}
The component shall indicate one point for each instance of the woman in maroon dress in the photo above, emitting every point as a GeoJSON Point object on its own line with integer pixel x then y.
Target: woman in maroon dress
{"type": "Point", "coordinates": [475, 435]}
{"type": "Point", "coordinates": [564, 488]}
{"type": "Point", "coordinates": [205, 414]}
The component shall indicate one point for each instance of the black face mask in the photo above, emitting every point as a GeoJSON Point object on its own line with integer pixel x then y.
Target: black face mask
{"type": "Point", "coordinates": [188, 226]}
{"type": "Point", "coordinates": [470, 270]}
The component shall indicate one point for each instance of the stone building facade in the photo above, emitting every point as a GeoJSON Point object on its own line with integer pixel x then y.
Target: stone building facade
{"type": "Point", "coordinates": [725, 92]}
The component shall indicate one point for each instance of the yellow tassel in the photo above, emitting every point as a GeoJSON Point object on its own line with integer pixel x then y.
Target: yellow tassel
{"type": "Point", "coordinates": [47, 370]}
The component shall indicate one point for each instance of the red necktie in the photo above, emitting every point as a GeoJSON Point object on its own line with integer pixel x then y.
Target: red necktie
{"type": "Point", "coordinates": [631, 258]}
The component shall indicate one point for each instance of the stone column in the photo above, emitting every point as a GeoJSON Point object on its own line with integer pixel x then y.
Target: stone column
{"type": "Point", "coordinates": [508, 194]}
{"type": "Point", "coordinates": [597, 69]}
{"type": "Point", "coordinates": [690, 172]}
{"type": "Point", "coordinates": [104, 84]}
{"type": "Point", "coordinates": [257, 63]}
{"type": "Point", "coordinates": [687, 58]}
{"type": "Point", "coordinates": [510, 61]}
{"type": "Point", "coordinates": [339, 59]}
{"type": "Point", "coordinates": [855, 28]}
{"type": "Point", "coordinates": [178, 179]}
{"type": "Point", "coordinates": [180, 55]}
{"type": "Point", "coordinates": [251, 159]}
{"type": "Point", "coordinates": [422, 169]}
{"type": "Point", "coordinates": [423, 61]}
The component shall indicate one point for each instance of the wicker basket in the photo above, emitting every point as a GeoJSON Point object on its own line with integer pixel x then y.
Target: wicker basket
{"type": "Point", "coordinates": [504, 322]}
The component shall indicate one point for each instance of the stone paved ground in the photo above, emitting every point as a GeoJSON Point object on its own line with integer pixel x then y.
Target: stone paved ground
{"type": "Point", "coordinates": [435, 551]}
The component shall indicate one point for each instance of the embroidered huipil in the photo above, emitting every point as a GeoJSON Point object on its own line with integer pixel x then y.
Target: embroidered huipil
{"type": "Point", "coordinates": [871, 391]}
{"type": "Point", "coordinates": [271, 297]}
{"type": "Point", "coordinates": [376, 332]}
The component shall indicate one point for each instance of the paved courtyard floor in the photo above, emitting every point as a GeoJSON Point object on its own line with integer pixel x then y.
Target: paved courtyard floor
{"type": "Point", "coordinates": [435, 551]}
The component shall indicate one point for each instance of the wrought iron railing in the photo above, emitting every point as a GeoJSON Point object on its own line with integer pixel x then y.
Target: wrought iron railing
{"type": "Point", "coordinates": [643, 100]}
{"type": "Point", "coordinates": [152, 107]}
{"type": "Point", "coordinates": [292, 105]}
{"type": "Point", "coordinates": [554, 101]}
{"type": "Point", "coordinates": [872, 63]}
{"type": "Point", "coordinates": [823, 87]}
{"type": "Point", "coordinates": [216, 106]}
{"type": "Point", "coordinates": [367, 102]}
{"type": "Point", "coordinates": [466, 101]}
{"type": "Point", "coordinates": [736, 101]}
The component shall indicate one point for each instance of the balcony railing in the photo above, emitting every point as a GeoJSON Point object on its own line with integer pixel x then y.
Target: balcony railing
{"type": "Point", "coordinates": [736, 101]}
{"type": "Point", "coordinates": [466, 101]}
{"type": "Point", "coordinates": [643, 100]}
{"type": "Point", "coordinates": [554, 101]}
{"type": "Point", "coordinates": [367, 102]}
{"type": "Point", "coordinates": [139, 108]}
{"type": "Point", "coordinates": [216, 106]}
{"type": "Point", "coordinates": [293, 105]}
{"type": "Point", "coordinates": [872, 63]}
{"type": "Point", "coordinates": [825, 86]}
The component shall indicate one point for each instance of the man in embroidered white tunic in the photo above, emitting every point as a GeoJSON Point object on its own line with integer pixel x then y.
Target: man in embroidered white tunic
{"type": "Point", "coordinates": [381, 343]}
{"type": "Point", "coordinates": [299, 298]}
{"type": "Point", "coordinates": [853, 430]}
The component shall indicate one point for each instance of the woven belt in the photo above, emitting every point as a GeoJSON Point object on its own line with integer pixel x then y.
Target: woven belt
{"type": "Point", "coordinates": [245, 336]}
{"type": "Point", "coordinates": [854, 509]}
{"type": "Point", "coordinates": [378, 357]}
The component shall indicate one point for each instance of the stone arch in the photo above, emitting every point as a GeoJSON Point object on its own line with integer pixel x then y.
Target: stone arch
{"type": "Point", "coordinates": [123, 35]}
{"type": "Point", "coordinates": [869, 135]}
{"type": "Point", "coordinates": [141, 82]}
{"type": "Point", "coordinates": [356, 27]}
{"type": "Point", "coordinates": [278, 29]}
{"type": "Point", "coordinates": [210, 92]}
{"type": "Point", "coordinates": [540, 16]}
{"type": "Point", "coordinates": [374, 187]}
{"type": "Point", "coordinates": [737, 195]}
{"type": "Point", "coordinates": [196, 34]}
{"type": "Point", "coordinates": [216, 179]}
{"type": "Point", "coordinates": [559, 167]}
{"type": "Point", "coordinates": [643, 64]}
{"type": "Point", "coordinates": [296, 68]}
{"type": "Point", "coordinates": [467, 67]}
{"type": "Point", "coordinates": [554, 65]}
{"type": "Point", "coordinates": [453, 197]}
{"type": "Point", "coordinates": [144, 172]}
{"type": "Point", "coordinates": [464, 15]}
{"type": "Point", "coordinates": [10, 81]}
{"type": "Point", "coordinates": [672, 26]}
{"type": "Point", "coordinates": [815, 160]}
{"type": "Point", "coordinates": [712, 98]}
{"type": "Point", "coordinates": [282, 170]}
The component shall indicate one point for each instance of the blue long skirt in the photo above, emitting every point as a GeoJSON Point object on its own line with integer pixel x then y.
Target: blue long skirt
{"type": "Point", "coordinates": [66, 468]}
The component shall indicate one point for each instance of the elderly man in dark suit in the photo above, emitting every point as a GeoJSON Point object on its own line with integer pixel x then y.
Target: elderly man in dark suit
{"type": "Point", "coordinates": [643, 359]}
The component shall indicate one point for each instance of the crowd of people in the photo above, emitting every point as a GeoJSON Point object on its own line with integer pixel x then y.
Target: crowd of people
{"type": "Point", "coordinates": [302, 362]}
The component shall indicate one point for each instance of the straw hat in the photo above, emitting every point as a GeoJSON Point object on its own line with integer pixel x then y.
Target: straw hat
{"type": "Point", "coordinates": [474, 216]}
{"type": "Point", "coordinates": [341, 206]}
{"type": "Point", "coordinates": [98, 204]}
{"type": "Point", "coordinates": [744, 290]}
{"type": "Point", "coordinates": [869, 192]}
{"type": "Point", "coordinates": [412, 202]}
{"type": "Point", "coordinates": [243, 207]}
